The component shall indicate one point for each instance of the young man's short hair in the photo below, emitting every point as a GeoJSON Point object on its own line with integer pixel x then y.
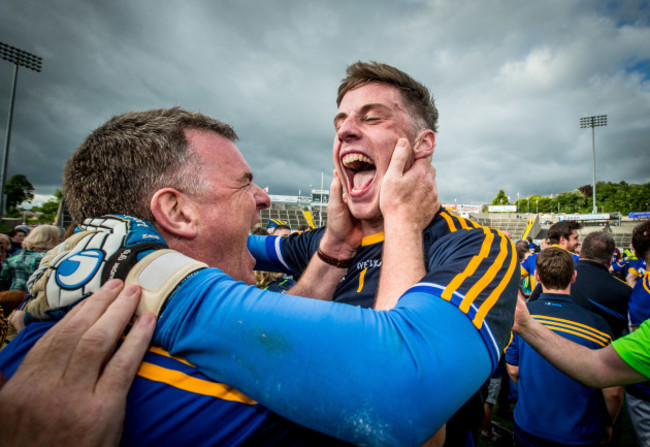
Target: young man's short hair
{"type": "Point", "coordinates": [555, 268]}
{"type": "Point", "coordinates": [562, 229]}
{"type": "Point", "coordinates": [417, 98]}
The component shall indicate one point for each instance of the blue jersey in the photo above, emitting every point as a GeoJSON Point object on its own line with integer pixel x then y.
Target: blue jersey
{"type": "Point", "coordinates": [551, 405]}
{"type": "Point", "coordinates": [528, 266]}
{"type": "Point", "coordinates": [369, 377]}
{"type": "Point", "coordinates": [171, 403]}
{"type": "Point", "coordinates": [360, 283]}
{"type": "Point", "coordinates": [630, 265]}
{"type": "Point", "coordinates": [466, 299]}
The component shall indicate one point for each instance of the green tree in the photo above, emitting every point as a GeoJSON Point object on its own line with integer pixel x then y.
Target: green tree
{"type": "Point", "coordinates": [49, 209]}
{"type": "Point", "coordinates": [501, 198]}
{"type": "Point", "coordinates": [18, 190]}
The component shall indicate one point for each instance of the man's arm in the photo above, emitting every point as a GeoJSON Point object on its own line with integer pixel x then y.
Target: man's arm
{"type": "Point", "coordinates": [614, 402]}
{"type": "Point", "coordinates": [513, 372]}
{"type": "Point", "coordinates": [598, 368]}
{"type": "Point", "coordinates": [408, 202]}
{"type": "Point", "coordinates": [341, 239]}
{"type": "Point", "coordinates": [257, 341]}
{"type": "Point", "coordinates": [71, 388]}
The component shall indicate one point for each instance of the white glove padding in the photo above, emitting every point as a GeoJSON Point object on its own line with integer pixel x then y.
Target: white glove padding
{"type": "Point", "coordinates": [159, 274]}
{"type": "Point", "coordinates": [107, 248]}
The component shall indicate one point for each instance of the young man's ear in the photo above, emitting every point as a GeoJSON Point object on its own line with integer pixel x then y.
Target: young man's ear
{"type": "Point", "coordinates": [174, 212]}
{"type": "Point", "coordinates": [425, 143]}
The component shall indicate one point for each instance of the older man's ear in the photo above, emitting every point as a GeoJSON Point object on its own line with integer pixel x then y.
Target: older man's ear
{"type": "Point", "coordinates": [175, 213]}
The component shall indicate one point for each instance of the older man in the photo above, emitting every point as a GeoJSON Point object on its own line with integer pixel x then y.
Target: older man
{"type": "Point", "coordinates": [389, 387]}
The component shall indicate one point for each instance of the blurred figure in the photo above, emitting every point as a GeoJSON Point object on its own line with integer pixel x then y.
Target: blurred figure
{"type": "Point", "coordinates": [19, 267]}
{"type": "Point", "coordinates": [563, 235]}
{"type": "Point", "coordinates": [280, 230]}
{"type": "Point", "coordinates": [5, 246]}
{"type": "Point", "coordinates": [277, 227]}
{"type": "Point", "coordinates": [546, 242]}
{"type": "Point", "coordinates": [17, 236]}
{"type": "Point", "coordinates": [531, 245]}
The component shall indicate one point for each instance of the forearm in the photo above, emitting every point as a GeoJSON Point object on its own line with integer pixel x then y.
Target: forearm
{"type": "Point", "coordinates": [613, 401]}
{"type": "Point", "coordinates": [319, 280]}
{"type": "Point", "coordinates": [598, 368]}
{"type": "Point", "coordinates": [402, 264]}
{"type": "Point", "coordinates": [513, 372]}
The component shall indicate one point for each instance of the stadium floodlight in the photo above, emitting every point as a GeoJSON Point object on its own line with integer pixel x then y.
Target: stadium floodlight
{"type": "Point", "coordinates": [593, 121]}
{"type": "Point", "coordinates": [23, 59]}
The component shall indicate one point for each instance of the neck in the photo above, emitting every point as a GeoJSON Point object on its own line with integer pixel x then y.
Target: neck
{"type": "Point", "coordinates": [370, 227]}
{"type": "Point", "coordinates": [597, 261]}
{"type": "Point", "coordinates": [566, 291]}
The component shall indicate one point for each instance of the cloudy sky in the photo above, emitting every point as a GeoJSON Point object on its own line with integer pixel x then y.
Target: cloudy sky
{"type": "Point", "coordinates": [511, 79]}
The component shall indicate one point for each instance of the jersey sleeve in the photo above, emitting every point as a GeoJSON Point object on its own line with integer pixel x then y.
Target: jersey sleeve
{"type": "Point", "coordinates": [633, 349]}
{"type": "Point", "coordinates": [284, 254]}
{"type": "Point", "coordinates": [526, 268]}
{"type": "Point", "coordinates": [478, 272]}
{"type": "Point", "coordinates": [512, 351]}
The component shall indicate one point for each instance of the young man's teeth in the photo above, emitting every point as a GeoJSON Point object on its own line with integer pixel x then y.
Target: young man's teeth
{"type": "Point", "coordinates": [351, 158]}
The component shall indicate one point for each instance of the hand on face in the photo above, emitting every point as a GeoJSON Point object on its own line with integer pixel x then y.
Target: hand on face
{"type": "Point", "coordinates": [343, 233]}
{"type": "Point", "coordinates": [408, 196]}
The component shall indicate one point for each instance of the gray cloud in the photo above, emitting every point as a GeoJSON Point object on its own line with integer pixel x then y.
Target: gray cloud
{"type": "Point", "coordinates": [511, 81]}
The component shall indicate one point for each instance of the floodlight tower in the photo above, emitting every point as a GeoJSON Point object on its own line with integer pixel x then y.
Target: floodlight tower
{"type": "Point", "coordinates": [18, 58]}
{"type": "Point", "coordinates": [593, 121]}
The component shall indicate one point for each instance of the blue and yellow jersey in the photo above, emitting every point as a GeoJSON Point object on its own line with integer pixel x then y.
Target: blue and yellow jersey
{"type": "Point", "coordinates": [464, 285]}
{"type": "Point", "coordinates": [361, 281]}
{"type": "Point", "coordinates": [550, 403]}
{"type": "Point", "coordinates": [528, 266]}
{"type": "Point", "coordinates": [639, 307]}
{"type": "Point", "coordinates": [257, 341]}
{"type": "Point", "coordinates": [171, 403]}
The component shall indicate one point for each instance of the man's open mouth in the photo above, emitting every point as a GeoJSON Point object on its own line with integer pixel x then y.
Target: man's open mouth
{"type": "Point", "coordinates": [360, 171]}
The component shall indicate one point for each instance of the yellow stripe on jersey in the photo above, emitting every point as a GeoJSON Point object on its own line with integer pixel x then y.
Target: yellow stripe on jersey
{"type": "Point", "coordinates": [496, 293]}
{"type": "Point", "coordinates": [470, 269]}
{"type": "Point", "coordinates": [646, 282]}
{"type": "Point", "coordinates": [573, 327]}
{"type": "Point", "coordinates": [362, 275]}
{"type": "Point", "coordinates": [372, 239]}
{"type": "Point", "coordinates": [579, 334]}
{"type": "Point", "coordinates": [487, 278]}
{"type": "Point", "coordinates": [182, 381]}
{"type": "Point", "coordinates": [161, 351]}
{"type": "Point", "coordinates": [450, 222]}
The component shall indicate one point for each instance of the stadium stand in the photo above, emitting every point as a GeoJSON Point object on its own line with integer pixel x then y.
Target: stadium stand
{"type": "Point", "coordinates": [293, 214]}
